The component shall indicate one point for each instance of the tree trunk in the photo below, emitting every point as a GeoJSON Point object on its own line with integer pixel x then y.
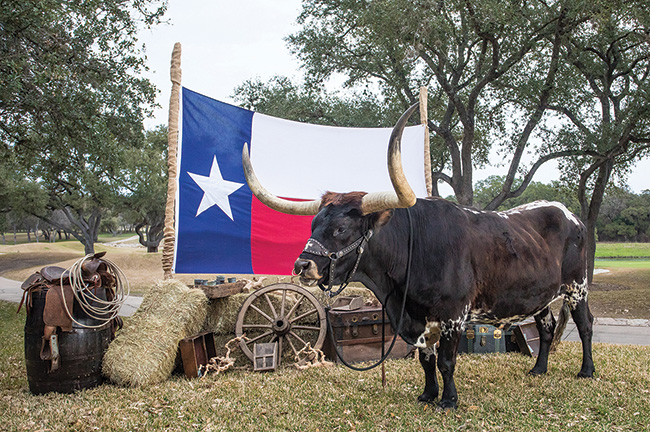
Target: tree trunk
{"type": "Point", "coordinates": [151, 237]}
{"type": "Point", "coordinates": [29, 235]}
{"type": "Point", "coordinates": [85, 230]}
{"type": "Point", "coordinates": [590, 210]}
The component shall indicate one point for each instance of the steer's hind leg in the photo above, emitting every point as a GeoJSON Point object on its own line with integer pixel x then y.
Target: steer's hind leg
{"type": "Point", "coordinates": [428, 362]}
{"type": "Point", "coordinates": [545, 327]}
{"type": "Point", "coordinates": [584, 322]}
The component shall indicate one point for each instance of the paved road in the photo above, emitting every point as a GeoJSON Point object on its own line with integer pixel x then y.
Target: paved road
{"type": "Point", "coordinates": [607, 330]}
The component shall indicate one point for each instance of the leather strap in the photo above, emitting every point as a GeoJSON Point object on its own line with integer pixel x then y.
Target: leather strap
{"type": "Point", "coordinates": [315, 247]}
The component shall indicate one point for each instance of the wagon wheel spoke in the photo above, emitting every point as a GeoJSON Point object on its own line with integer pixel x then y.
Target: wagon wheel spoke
{"type": "Point", "coordinates": [304, 327]}
{"type": "Point", "coordinates": [280, 349]}
{"type": "Point", "coordinates": [255, 339]}
{"type": "Point", "coordinates": [261, 312]}
{"type": "Point", "coordinates": [293, 347]}
{"type": "Point", "coordinates": [301, 340]}
{"type": "Point", "coordinates": [306, 314]}
{"type": "Point", "coordinates": [257, 326]}
{"type": "Point", "coordinates": [268, 300]}
{"type": "Point", "coordinates": [284, 300]}
{"type": "Point", "coordinates": [295, 306]}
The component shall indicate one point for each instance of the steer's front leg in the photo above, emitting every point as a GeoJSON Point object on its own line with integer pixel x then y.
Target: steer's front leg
{"type": "Point", "coordinates": [447, 365]}
{"type": "Point", "coordinates": [428, 362]}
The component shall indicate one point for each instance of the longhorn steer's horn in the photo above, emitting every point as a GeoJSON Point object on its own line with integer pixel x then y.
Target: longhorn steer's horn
{"type": "Point", "coordinates": [270, 200]}
{"type": "Point", "coordinates": [403, 195]}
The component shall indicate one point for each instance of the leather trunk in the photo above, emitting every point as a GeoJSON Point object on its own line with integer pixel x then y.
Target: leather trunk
{"type": "Point", "coordinates": [357, 336]}
{"type": "Point", "coordinates": [484, 338]}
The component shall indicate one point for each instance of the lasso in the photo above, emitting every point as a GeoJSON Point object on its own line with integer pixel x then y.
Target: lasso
{"type": "Point", "coordinates": [95, 307]}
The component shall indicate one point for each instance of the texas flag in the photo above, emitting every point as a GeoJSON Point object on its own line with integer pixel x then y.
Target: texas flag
{"type": "Point", "coordinates": [222, 228]}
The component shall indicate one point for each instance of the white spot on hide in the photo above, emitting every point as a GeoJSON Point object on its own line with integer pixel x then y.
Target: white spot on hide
{"type": "Point", "coordinates": [541, 204]}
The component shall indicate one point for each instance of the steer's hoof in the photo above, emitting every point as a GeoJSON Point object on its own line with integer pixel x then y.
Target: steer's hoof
{"type": "Point", "coordinates": [445, 405]}
{"type": "Point", "coordinates": [586, 374]}
{"type": "Point", "coordinates": [536, 372]}
{"type": "Point", "coordinates": [428, 397]}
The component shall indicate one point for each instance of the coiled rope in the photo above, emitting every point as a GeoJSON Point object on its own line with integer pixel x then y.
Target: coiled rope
{"type": "Point", "coordinates": [95, 307]}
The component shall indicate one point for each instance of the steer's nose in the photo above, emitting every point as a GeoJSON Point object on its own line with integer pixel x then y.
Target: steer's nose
{"type": "Point", "coordinates": [300, 266]}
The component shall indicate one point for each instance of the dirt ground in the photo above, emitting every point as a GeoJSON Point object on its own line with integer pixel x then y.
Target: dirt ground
{"type": "Point", "coordinates": [621, 293]}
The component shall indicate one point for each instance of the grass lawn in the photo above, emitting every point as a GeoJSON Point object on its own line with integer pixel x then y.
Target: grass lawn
{"type": "Point", "coordinates": [495, 394]}
{"type": "Point", "coordinates": [622, 250]}
{"type": "Point", "coordinates": [622, 263]}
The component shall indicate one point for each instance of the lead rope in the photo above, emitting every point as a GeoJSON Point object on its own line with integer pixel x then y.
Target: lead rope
{"type": "Point", "coordinates": [383, 311]}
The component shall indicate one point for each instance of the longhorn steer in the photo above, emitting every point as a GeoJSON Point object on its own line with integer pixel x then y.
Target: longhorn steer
{"type": "Point", "coordinates": [467, 265]}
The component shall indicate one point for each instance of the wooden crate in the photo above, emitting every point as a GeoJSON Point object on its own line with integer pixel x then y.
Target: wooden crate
{"type": "Point", "coordinates": [221, 290]}
{"type": "Point", "coordinates": [527, 337]}
{"type": "Point", "coordinates": [196, 351]}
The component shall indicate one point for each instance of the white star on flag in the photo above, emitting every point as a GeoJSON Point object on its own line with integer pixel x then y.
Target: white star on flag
{"type": "Point", "coordinates": [216, 190]}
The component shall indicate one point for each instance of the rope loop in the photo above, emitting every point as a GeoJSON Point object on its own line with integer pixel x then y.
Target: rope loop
{"type": "Point", "coordinates": [95, 307]}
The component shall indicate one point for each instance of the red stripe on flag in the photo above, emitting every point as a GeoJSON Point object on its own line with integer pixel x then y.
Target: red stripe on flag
{"type": "Point", "coordinates": [276, 239]}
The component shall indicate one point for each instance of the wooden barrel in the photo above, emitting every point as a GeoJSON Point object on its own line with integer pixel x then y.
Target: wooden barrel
{"type": "Point", "coordinates": [81, 351]}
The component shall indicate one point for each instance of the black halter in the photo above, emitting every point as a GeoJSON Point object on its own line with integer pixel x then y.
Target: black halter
{"type": "Point", "coordinates": [314, 247]}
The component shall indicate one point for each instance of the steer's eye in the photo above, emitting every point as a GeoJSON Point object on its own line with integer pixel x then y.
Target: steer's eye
{"type": "Point", "coordinates": [339, 231]}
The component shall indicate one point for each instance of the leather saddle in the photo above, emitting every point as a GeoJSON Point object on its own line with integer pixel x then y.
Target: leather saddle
{"type": "Point", "coordinates": [59, 300]}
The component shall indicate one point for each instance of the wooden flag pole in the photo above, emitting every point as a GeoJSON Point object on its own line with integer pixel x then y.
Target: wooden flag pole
{"type": "Point", "coordinates": [172, 143]}
{"type": "Point", "coordinates": [424, 119]}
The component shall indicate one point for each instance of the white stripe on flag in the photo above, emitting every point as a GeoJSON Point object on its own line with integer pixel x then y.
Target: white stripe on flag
{"type": "Point", "coordinates": [299, 160]}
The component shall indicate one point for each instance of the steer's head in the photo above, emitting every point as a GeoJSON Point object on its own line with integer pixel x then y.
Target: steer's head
{"type": "Point", "coordinates": [338, 232]}
{"type": "Point", "coordinates": [341, 219]}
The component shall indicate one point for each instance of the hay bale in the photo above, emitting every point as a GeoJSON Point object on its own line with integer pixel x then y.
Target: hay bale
{"type": "Point", "coordinates": [222, 314]}
{"type": "Point", "coordinates": [144, 352]}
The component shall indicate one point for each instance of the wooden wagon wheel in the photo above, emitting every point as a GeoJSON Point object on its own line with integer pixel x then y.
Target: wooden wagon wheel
{"type": "Point", "coordinates": [285, 313]}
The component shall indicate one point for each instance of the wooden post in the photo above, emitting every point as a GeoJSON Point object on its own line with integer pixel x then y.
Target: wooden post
{"type": "Point", "coordinates": [172, 142]}
{"type": "Point", "coordinates": [424, 119]}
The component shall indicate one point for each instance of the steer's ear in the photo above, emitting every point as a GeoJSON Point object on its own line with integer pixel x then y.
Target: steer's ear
{"type": "Point", "coordinates": [381, 218]}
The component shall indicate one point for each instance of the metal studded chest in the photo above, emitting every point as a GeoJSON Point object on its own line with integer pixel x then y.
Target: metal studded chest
{"type": "Point", "coordinates": [358, 334]}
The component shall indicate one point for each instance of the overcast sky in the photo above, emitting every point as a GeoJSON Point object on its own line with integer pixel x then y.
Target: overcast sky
{"type": "Point", "coordinates": [225, 43]}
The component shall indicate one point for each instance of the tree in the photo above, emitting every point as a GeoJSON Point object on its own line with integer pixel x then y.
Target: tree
{"type": "Point", "coordinates": [307, 103]}
{"type": "Point", "coordinates": [624, 216]}
{"type": "Point", "coordinates": [71, 99]}
{"type": "Point", "coordinates": [486, 190]}
{"type": "Point", "coordinates": [607, 104]}
{"type": "Point", "coordinates": [465, 51]}
{"type": "Point", "coordinates": [147, 186]}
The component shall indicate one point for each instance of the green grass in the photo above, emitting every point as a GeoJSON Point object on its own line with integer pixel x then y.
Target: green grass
{"type": "Point", "coordinates": [623, 263]}
{"type": "Point", "coordinates": [106, 238]}
{"type": "Point", "coordinates": [495, 394]}
{"type": "Point", "coordinates": [622, 250]}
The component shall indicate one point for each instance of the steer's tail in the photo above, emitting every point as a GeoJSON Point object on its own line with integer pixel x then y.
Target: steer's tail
{"type": "Point", "coordinates": [562, 319]}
